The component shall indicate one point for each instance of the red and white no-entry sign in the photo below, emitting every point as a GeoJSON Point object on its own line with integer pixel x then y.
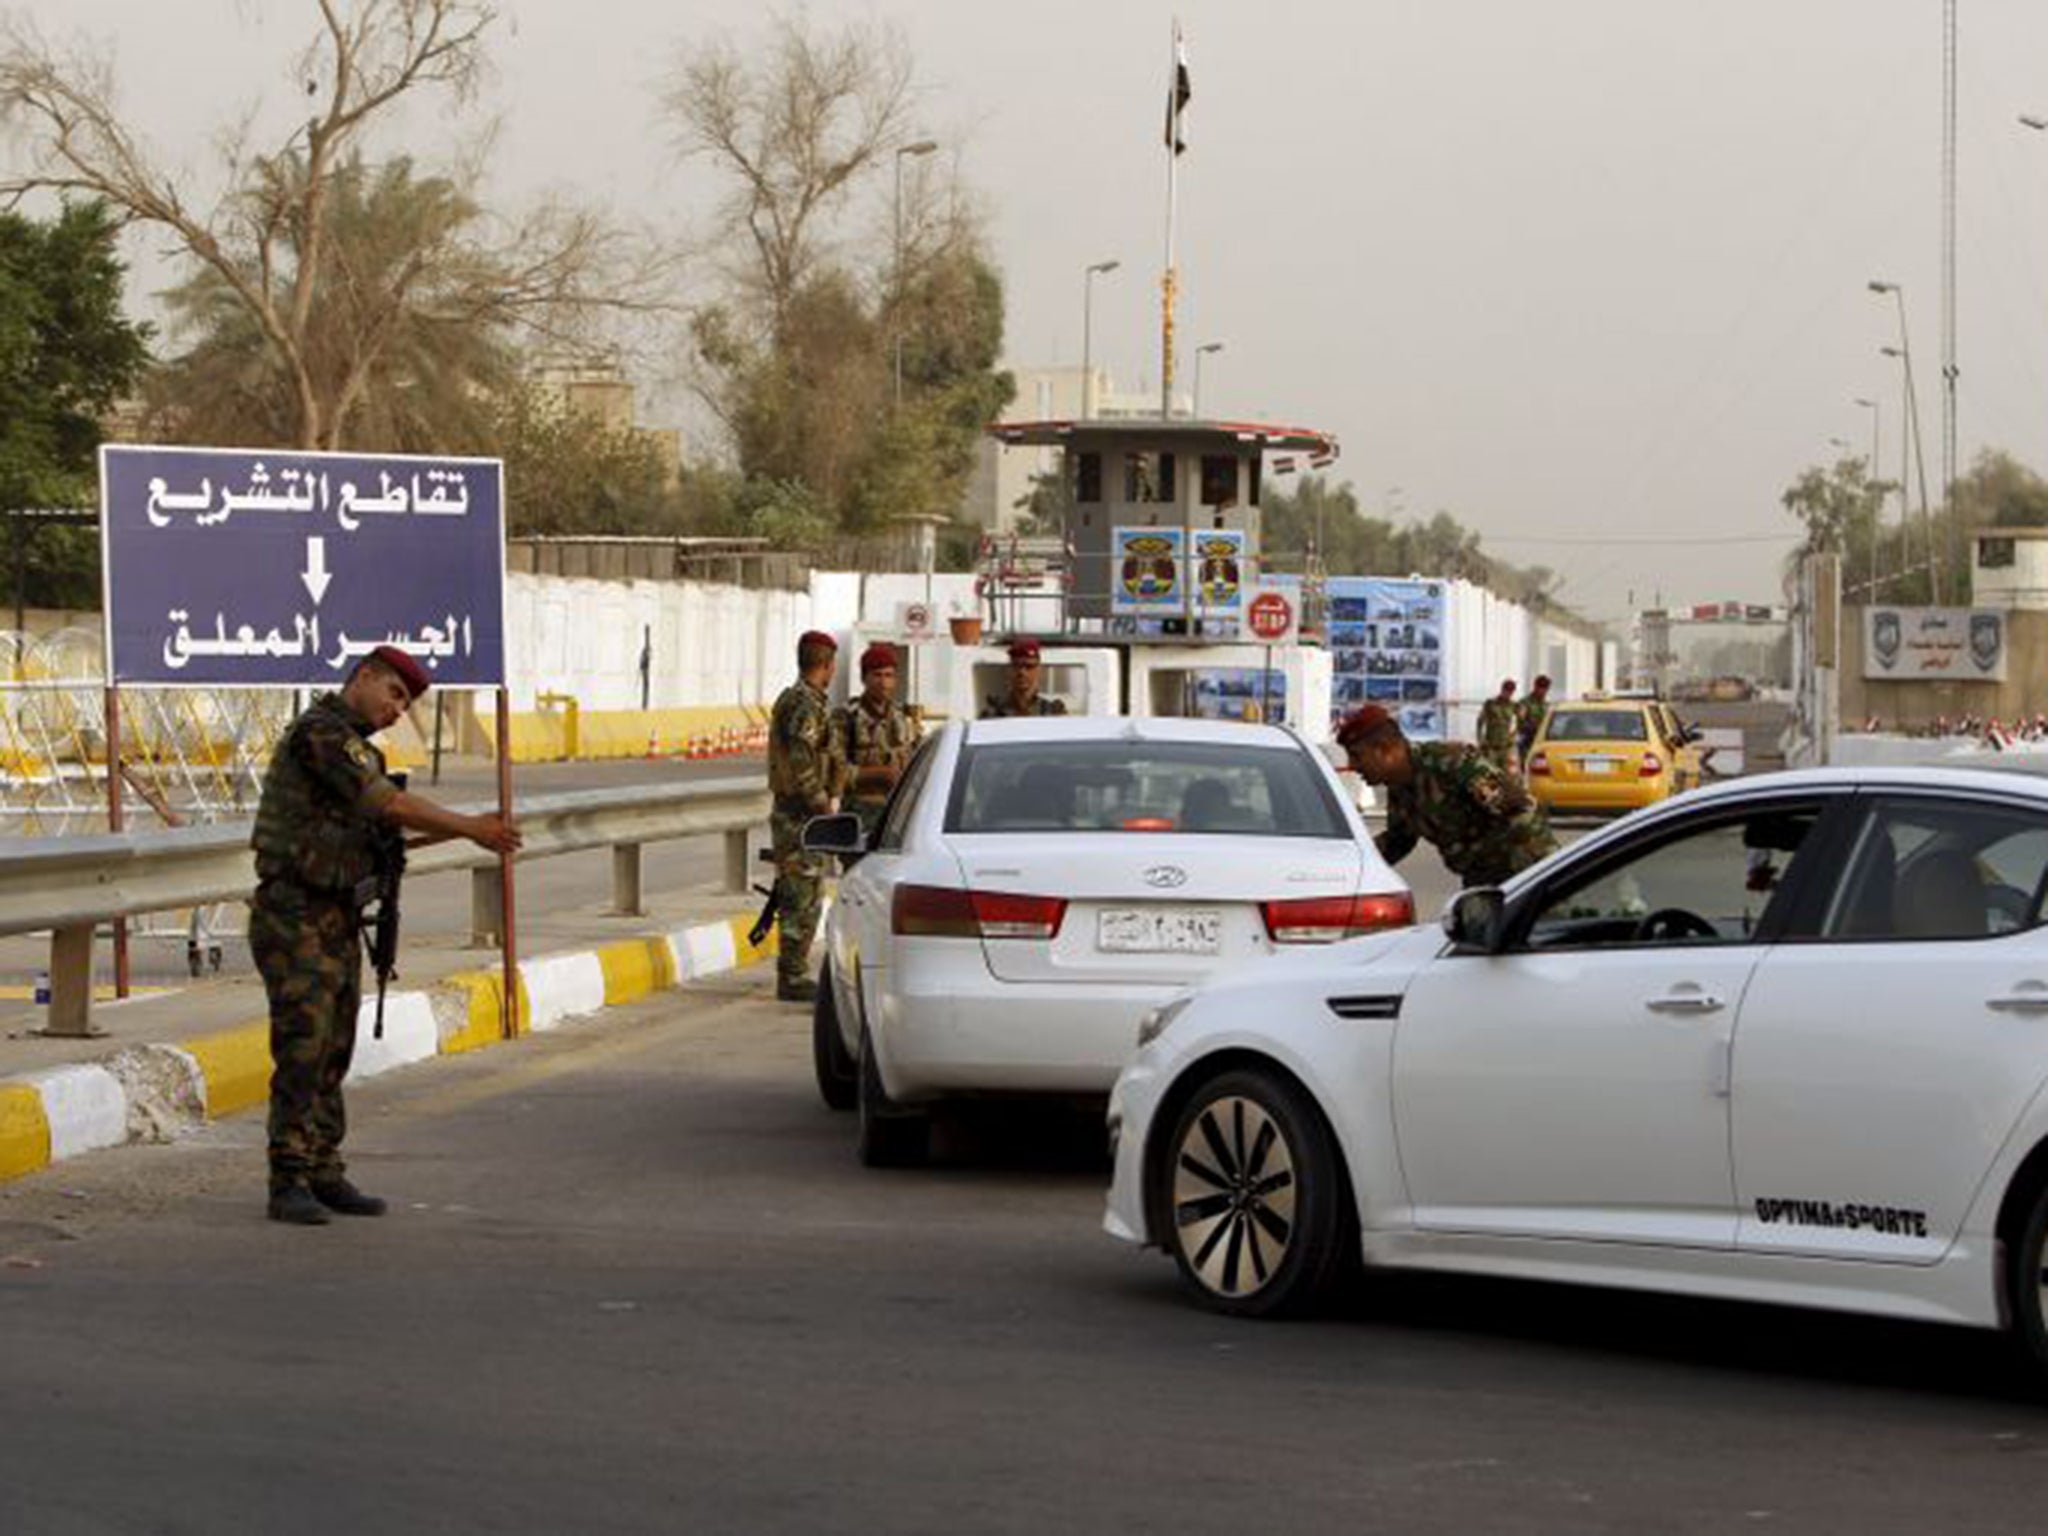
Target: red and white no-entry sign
{"type": "Point", "coordinates": [1271, 616]}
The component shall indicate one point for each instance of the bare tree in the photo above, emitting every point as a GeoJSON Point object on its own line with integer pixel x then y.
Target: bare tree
{"type": "Point", "coordinates": [268, 245]}
{"type": "Point", "coordinates": [795, 131]}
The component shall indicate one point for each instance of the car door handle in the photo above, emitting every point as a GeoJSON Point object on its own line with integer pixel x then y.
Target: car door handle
{"type": "Point", "coordinates": [2027, 997]}
{"type": "Point", "coordinates": [1685, 1002]}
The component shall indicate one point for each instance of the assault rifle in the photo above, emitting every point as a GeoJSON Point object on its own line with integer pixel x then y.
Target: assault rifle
{"type": "Point", "coordinates": [758, 934]}
{"type": "Point", "coordinates": [380, 935]}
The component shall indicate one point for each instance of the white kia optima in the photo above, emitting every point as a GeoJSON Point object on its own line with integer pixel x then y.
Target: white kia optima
{"type": "Point", "coordinates": [1036, 886]}
{"type": "Point", "coordinates": [1784, 1040]}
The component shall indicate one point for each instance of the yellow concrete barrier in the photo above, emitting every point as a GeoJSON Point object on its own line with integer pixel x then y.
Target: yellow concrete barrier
{"type": "Point", "coordinates": [236, 1066]}
{"type": "Point", "coordinates": [24, 1131]}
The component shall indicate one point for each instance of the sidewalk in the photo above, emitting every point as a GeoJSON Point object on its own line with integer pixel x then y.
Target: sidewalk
{"type": "Point", "coordinates": [203, 1051]}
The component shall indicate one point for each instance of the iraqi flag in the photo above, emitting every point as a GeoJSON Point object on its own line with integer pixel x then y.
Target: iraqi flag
{"type": "Point", "coordinates": [1178, 94]}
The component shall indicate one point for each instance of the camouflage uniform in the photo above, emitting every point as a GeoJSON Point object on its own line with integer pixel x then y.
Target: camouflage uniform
{"type": "Point", "coordinates": [1497, 732]}
{"type": "Point", "coordinates": [1001, 706]}
{"type": "Point", "coordinates": [800, 778]}
{"type": "Point", "coordinates": [317, 830]}
{"type": "Point", "coordinates": [1529, 715]}
{"type": "Point", "coordinates": [1481, 819]}
{"type": "Point", "coordinates": [863, 739]}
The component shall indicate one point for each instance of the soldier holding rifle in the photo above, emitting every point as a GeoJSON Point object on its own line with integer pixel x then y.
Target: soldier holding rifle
{"type": "Point", "coordinates": [327, 804]}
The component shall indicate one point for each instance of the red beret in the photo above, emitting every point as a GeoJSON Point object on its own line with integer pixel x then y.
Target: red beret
{"type": "Point", "coordinates": [880, 654]}
{"type": "Point", "coordinates": [1363, 722]}
{"type": "Point", "coordinates": [1023, 650]}
{"type": "Point", "coordinates": [409, 672]}
{"type": "Point", "coordinates": [816, 637]}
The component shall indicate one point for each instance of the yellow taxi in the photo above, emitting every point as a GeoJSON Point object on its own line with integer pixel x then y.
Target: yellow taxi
{"type": "Point", "coordinates": [1611, 755]}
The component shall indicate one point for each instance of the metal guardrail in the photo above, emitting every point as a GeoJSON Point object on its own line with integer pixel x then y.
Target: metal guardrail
{"type": "Point", "coordinates": [67, 886]}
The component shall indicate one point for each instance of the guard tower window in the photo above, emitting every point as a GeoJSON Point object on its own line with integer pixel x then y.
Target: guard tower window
{"type": "Point", "coordinates": [1087, 477]}
{"type": "Point", "coordinates": [1148, 477]}
{"type": "Point", "coordinates": [1219, 479]}
{"type": "Point", "coordinates": [1997, 554]}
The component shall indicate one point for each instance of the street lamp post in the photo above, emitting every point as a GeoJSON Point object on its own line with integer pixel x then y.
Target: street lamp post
{"type": "Point", "coordinates": [1904, 353]}
{"type": "Point", "coordinates": [921, 147]}
{"type": "Point", "coordinates": [1204, 348]}
{"type": "Point", "coordinates": [1088, 333]}
{"type": "Point", "coordinates": [1877, 523]}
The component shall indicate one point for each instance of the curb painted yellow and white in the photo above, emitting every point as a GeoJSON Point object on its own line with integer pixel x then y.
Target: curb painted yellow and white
{"type": "Point", "coordinates": [137, 1094]}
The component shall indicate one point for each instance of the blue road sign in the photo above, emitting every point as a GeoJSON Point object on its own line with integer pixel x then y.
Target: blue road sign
{"type": "Point", "coordinates": [227, 566]}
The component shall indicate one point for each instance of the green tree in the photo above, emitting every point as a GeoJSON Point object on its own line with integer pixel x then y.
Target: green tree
{"type": "Point", "coordinates": [67, 355]}
{"type": "Point", "coordinates": [574, 475]}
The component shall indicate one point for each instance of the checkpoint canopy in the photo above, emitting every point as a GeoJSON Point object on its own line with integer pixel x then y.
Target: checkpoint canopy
{"type": "Point", "coordinates": [231, 567]}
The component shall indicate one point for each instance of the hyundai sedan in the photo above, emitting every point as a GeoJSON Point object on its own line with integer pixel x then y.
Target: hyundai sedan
{"type": "Point", "coordinates": [1035, 886]}
{"type": "Point", "coordinates": [1784, 1040]}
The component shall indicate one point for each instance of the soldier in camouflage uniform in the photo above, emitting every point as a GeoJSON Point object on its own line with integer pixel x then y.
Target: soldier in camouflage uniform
{"type": "Point", "coordinates": [801, 781]}
{"type": "Point", "coordinates": [872, 740]}
{"type": "Point", "coordinates": [1529, 714]}
{"type": "Point", "coordinates": [326, 804]}
{"type": "Point", "coordinates": [1497, 729]}
{"type": "Point", "coordinates": [1480, 818]}
{"type": "Point", "coordinates": [1022, 696]}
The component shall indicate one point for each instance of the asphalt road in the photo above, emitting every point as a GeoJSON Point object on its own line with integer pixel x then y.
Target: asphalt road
{"type": "Point", "coordinates": [636, 1281]}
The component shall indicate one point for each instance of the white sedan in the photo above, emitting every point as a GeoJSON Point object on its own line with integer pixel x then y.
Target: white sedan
{"type": "Point", "coordinates": [1784, 1040]}
{"type": "Point", "coordinates": [1036, 886]}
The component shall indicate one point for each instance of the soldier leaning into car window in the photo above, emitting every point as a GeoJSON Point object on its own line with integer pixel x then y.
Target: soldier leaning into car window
{"type": "Point", "coordinates": [1480, 818]}
{"type": "Point", "coordinates": [801, 783]}
{"type": "Point", "coordinates": [872, 739]}
{"type": "Point", "coordinates": [317, 826]}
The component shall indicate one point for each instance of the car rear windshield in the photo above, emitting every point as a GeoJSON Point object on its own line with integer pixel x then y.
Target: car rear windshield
{"type": "Point", "coordinates": [1595, 725]}
{"type": "Point", "coordinates": [1143, 786]}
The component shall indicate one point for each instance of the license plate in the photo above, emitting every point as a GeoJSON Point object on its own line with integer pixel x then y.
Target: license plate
{"type": "Point", "coordinates": [1597, 764]}
{"type": "Point", "coordinates": [1140, 931]}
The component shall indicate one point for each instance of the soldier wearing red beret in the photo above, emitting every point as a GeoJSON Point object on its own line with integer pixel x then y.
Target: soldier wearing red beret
{"type": "Point", "coordinates": [326, 807]}
{"type": "Point", "coordinates": [801, 780]}
{"type": "Point", "coordinates": [1479, 817]}
{"type": "Point", "coordinates": [1022, 696]}
{"type": "Point", "coordinates": [873, 739]}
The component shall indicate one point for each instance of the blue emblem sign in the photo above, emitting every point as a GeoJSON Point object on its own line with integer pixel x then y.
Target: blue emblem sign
{"type": "Point", "coordinates": [235, 567]}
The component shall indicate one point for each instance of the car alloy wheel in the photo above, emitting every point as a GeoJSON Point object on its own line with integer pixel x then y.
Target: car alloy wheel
{"type": "Point", "coordinates": [1233, 1196]}
{"type": "Point", "coordinates": [1253, 1195]}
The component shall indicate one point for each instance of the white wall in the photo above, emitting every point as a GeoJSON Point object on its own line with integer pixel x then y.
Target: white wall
{"type": "Point", "coordinates": [718, 644]}
{"type": "Point", "coordinates": [713, 644]}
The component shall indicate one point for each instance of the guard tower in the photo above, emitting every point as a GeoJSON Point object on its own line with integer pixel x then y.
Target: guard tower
{"type": "Point", "coordinates": [1162, 525]}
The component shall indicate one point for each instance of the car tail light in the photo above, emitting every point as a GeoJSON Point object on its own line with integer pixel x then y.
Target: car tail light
{"type": "Point", "coordinates": [941, 912]}
{"type": "Point", "coordinates": [1326, 919]}
{"type": "Point", "coordinates": [1539, 762]}
{"type": "Point", "coordinates": [1652, 765]}
{"type": "Point", "coordinates": [1148, 824]}
{"type": "Point", "coordinates": [1003, 916]}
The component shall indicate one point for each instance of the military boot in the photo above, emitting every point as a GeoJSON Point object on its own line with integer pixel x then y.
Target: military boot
{"type": "Point", "coordinates": [795, 989]}
{"type": "Point", "coordinates": [345, 1199]}
{"type": "Point", "coordinates": [295, 1204]}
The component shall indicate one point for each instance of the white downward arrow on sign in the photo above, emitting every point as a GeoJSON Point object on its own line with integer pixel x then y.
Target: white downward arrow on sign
{"type": "Point", "coordinates": [316, 575]}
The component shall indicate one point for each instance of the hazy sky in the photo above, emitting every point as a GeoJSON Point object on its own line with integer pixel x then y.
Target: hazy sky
{"type": "Point", "coordinates": [1589, 274]}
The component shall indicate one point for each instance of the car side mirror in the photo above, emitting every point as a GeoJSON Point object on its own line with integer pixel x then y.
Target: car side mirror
{"type": "Point", "coordinates": [1477, 921]}
{"type": "Point", "coordinates": [840, 834]}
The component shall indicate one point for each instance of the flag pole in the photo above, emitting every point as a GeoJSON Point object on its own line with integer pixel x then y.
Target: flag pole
{"type": "Point", "coordinates": [1169, 282]}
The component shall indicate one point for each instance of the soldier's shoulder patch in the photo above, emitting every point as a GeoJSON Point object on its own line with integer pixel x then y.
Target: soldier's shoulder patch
{"type": "Point", "coordinates": [358, 752]}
